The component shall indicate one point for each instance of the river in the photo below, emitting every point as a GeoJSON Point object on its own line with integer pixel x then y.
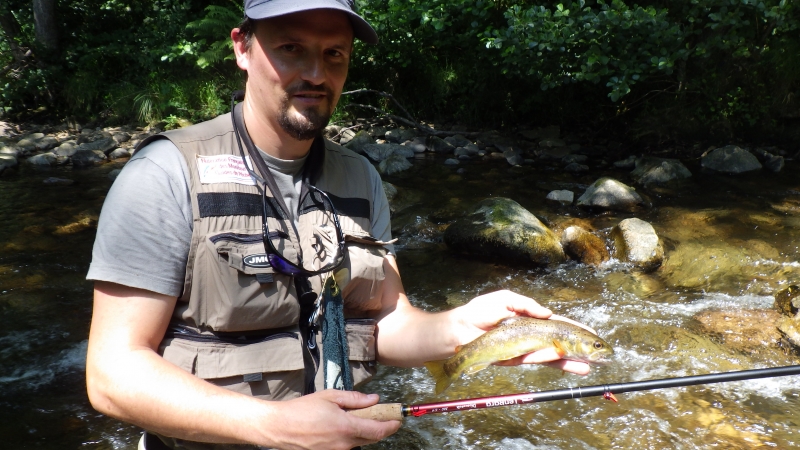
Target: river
{"type": "Point", "coordinates": [731, 243]}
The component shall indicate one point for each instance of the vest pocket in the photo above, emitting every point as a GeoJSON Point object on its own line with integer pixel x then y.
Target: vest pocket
{"type": "Point", "coordinates": [269, 368]}
{"type": "Point", "coordinates": [361, 276]}
{"type": "Point", "coordinates": [234, 286]}
{"type": "Point", "coordinates": [361, 348]}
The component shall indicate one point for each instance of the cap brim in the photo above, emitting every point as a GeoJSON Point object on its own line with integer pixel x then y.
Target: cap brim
{"type": "Point", "coordinates": [274, 8]}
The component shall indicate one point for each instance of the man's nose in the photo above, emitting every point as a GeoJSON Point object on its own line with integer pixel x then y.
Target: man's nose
{"type": "Point", "coordinates": [314, 70]}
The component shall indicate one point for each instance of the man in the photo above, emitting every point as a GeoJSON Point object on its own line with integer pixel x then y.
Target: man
{"type": "Point", "coordinates": [214, 257]}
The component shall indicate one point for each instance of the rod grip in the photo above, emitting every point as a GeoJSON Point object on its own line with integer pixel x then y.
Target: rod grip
{"type": "Point", "coordinates": [382, 412]}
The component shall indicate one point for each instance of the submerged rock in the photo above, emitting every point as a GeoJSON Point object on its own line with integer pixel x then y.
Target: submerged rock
{"type": "Point", "coordinates": [502, 229]}
{"type": "Point", "coordinates": [747, 331]}
{"type": "Point", "coordinates": [636, 241]}
{"type": "Point", "coordinates": [562, 196]}
{"type": "Point", "coordinates": [788, 300]}
{"type": "Point", "coordinates": [650, 170]}
{"type": "Point", "coordinates": [730, 159]}
{"type": "Point", "coordinates": [584, 246]}
{"type": "Point", "coordinates": [608, 193]}
{"type": "Point", "coordinates": [393, 164]}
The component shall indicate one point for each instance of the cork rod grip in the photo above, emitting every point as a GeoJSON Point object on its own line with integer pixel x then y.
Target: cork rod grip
{"type": "Point", "coordinates": [382, 412]}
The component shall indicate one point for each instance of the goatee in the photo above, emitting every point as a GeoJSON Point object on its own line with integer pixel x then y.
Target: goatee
{"type": "Point", "coordinates": [310, 122]}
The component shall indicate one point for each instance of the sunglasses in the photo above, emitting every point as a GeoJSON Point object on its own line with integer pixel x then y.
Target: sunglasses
{"type": "Point", "coordinates": [284, 265]}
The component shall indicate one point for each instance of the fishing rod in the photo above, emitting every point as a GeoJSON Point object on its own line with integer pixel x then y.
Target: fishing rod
{"type": "Point", "coordinates": [397, 411]}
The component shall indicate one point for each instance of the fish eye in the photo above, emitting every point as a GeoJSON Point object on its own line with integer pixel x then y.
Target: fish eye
{"type": "Point", "coordinates": [598, 345]}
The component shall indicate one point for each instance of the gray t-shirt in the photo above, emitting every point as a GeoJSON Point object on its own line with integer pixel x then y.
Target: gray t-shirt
{"type": "Point", "coordinates": [145, 227]}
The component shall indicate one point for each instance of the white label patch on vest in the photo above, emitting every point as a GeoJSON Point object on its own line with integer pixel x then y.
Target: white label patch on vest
{"type": "Point", "coordinates": [258, 261]}
{"type": "Point", "coordinates": [223, 169]}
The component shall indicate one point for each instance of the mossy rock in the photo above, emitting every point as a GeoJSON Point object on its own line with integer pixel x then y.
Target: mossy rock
{"type": "Point", "coordinates": [501, 229]}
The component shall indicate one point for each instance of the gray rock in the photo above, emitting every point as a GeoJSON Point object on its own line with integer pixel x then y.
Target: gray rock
{"type": "Point", "coordinates": [551, 132]}
{"type": "Point", "coordinates": [576, 168]}
{"type": "Point", "coordinates": [502, 229]}
{"type": "Point", "coordinates": [580, 159]}
{"type": "Point", "coordinates": [652, 170]}
{"type": "Point", "coordinates": [554, 153]}
{"type": "Point", "coordinates": [58, 181]}
{"type": "Point", "coordinates": [730, 159]}
{"type": "Point", "coordinates": [43, 159]}
{"type": "Point", "coordinates": [464, 157]}
{"type": "Point", "coordinates": [552, 142]}
{"type": "Point", "coordinates": [636, 241]}
{"type": "Point", "coordinates": [66, 149]}
{"type": "Point", "coordinates": [514, 156]}
{"type": "Point", "coordinates": [377, 132]}
{"type": "Point", "coordinates": [472, 149]}
{"type": "Point", "coordinates": [583, 246]}
{"type": "Point", "coordinates": [45, 143]}
{"type": "Point", "coordinates": [346, 136]}
{"type": "Point", "coordinates": [769, 160]}
{"type": "Point", "coordinates": [393, 164]}
{"type": "Point", "coordinates": [119, 153]}
{"type": "Point", "coordinates": [451, 162]}
{"type": "Point", "coordinates": [379, 152]}
{"type": "Point", "coordinates": [608, 193]}
{"type": "Point", "coordinates": [439, 145]}
{"type": "Point", "coordinates": [417, 144]}
{"type": "Point", "coordinates": [86, 158]}
{"type": "Point", "coordinates": [627, 163]}
{"type": "Point", "coordinates": [390, 190]}
{"type": "Point", "coordinates": [7, 161]}
{"type": "Point", "coordinates": [104, 145]}
{"type": "Point", "coordinates": [460, 141]}
{"type": "Point", "coordinates": [562, 196]}
{"type": "Point", "coordinates": [461, 151]}
{"type": "Point", "coordinates": [120, 137]}
{"type": "Point", "coordinates": [10, 150]}
{"type": "Point", "coordinates": [26, 145]}
{"type": "Point", "coordinates": [359, 141]}
{"type": "Point", "coordinates": [399, 135]}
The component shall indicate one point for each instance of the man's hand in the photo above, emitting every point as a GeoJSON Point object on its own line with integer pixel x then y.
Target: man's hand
{"type": "Point", "coordinates": [319, 421]}
{"type": "Point", "coordinates": [485, 311]}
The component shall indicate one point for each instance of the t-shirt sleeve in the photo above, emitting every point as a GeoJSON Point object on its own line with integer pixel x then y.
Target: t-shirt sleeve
{"type": "Point", "coordinates": [145, 227]}
{"type": "Point", "coordinates": [381, 220]}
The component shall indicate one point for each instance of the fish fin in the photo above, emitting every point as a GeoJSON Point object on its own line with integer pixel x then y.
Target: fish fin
{"type": "Point", "coordinates": [440, 377]}
{"type": "Point", "coordinates": [458, 348]}
{"type": "Point", "coordinates": [475, 368]}
{"type": "Point", "coordinates": [559, 348]}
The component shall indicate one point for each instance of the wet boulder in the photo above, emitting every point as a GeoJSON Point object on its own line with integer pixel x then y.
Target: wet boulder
{"type": "Point", "coordinates": [502, 229]}
{"type": "Point", "coordinates": [608, 193]}
{"type": "Point", "coordinates": [746, 331]}
{"type": "Point", "coordinates": [394, 163]}
{"type": "Point", "coordinates": [583, 246]}
{"type": "Point", "coordinates": [651, 170]}
{"type": "Point", "coordinates": [379, 152]}
{"type": "Point", "coordinates": [788, 300]}
{"type": "Point", "coordinates": [730, 159]}
{"type": "Point", "coordinates": [399, 135]}
{"type": "Point", "coordinates": [359, 141]}
{"type": "Point", "coordinates": [439, 145]}
{"type": "Point", "coordinates": [636, 241]}
{"type": "Point", "coordinates": [104, 145]}
{"type": "Point", "coordinates": [43, 159]}
{"type": "Point", "coordinates": [561, 196]}
{"type": "Point", "coordinates": [86, 158]}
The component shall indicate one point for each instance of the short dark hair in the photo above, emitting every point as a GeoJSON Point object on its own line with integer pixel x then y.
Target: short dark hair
{"type": "Point", "coordinates": [248, 28]}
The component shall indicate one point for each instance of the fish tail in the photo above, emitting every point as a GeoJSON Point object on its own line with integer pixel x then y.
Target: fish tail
{"type": "Point", "coordinates": [440, 376]}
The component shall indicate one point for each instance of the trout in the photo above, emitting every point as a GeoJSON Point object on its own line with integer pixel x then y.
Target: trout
{"type": "Point", "coordinates": [518, 336]}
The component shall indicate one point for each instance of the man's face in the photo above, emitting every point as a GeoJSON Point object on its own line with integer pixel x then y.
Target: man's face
{"type": "Point", "coordinates": [296, 68]}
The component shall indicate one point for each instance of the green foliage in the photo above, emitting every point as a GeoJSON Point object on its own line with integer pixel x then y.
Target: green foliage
{"type": "Point", "coordinates": [653, 68]}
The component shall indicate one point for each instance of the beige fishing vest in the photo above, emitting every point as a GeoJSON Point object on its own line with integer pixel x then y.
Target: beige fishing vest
{"type": "Point", "coordinates": [238, 319]}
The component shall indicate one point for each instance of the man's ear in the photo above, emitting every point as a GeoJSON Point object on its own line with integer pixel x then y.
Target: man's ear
{"type": "Point", "coordinates": [240, 49]}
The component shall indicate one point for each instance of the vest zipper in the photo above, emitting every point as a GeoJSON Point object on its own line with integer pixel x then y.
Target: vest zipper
{"type": "Point", "coordinates": [246, 238]}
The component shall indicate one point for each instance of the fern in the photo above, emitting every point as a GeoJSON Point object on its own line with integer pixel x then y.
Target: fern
{"type": "Point", "coordinates": [213, 30]}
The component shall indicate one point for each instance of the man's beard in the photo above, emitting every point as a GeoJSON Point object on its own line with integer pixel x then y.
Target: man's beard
{"type": "Point", "coordinates": [312, 121]}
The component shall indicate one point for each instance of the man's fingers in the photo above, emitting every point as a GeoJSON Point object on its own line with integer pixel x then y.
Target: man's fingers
{"type": "Point", "coordinates": [350, 399]}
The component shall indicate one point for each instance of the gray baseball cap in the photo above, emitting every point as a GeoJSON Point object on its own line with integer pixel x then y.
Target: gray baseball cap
{"type": "Point", "coordinates": [264, 9]}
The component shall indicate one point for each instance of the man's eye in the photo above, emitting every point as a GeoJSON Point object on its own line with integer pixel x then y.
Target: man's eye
{"type": "Point", "coordinates": [289, 47]}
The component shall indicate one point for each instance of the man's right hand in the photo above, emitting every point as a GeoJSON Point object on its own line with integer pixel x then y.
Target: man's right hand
{"type": "Point", "coordinates": [320, 420]}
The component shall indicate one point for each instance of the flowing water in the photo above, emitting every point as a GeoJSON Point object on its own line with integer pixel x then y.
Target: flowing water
{"type": "Point", "coordinates": [731, 243]}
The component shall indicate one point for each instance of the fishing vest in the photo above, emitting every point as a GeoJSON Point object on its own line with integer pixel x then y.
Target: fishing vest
{"type": "Point", "coordinates": [236, 322]}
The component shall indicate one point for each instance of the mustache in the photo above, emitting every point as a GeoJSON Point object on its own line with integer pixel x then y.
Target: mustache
{"type": "Point", "coordinates": [305, 86]}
